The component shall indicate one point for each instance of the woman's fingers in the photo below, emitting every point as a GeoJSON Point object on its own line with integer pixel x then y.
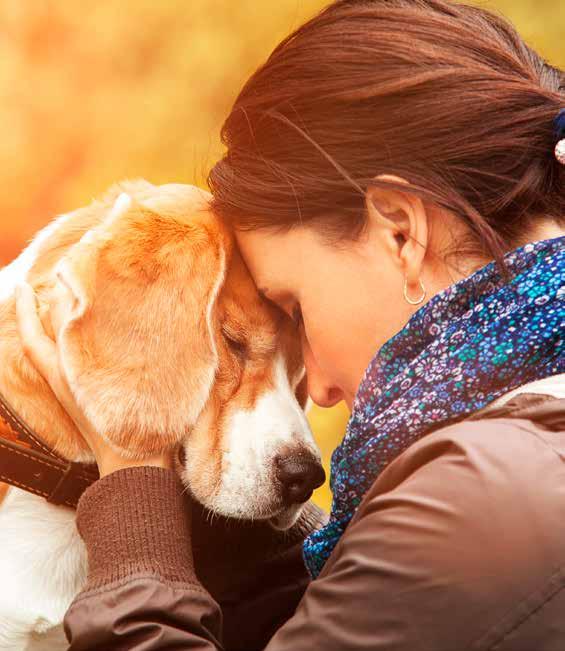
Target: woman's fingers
{"type": "Point", "coordinates": [41, 350]}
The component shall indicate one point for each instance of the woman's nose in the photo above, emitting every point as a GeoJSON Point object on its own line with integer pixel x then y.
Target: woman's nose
{"type": "Point", "coordinates": [324, 396]}
{"type": "Point", "coordinates": [320, 388]}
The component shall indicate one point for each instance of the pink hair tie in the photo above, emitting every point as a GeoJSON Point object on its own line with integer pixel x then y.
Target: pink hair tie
{"type": "Point", "coordinates": [559, 124]}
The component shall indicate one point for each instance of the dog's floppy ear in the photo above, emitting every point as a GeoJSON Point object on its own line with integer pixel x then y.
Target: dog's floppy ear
{"type": "Point", "coordinates": [138, 339]}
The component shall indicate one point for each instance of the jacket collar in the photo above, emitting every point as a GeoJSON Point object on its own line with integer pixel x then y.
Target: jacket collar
{"type": "Point", "coordinates": [542, 401]}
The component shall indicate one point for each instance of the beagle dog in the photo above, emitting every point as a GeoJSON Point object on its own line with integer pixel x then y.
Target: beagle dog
{"type": "Point", "coordinates": [167, 344]}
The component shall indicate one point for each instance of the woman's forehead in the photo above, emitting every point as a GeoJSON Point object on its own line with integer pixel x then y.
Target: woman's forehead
{"type": "Point", "coordinates": [272, 258]}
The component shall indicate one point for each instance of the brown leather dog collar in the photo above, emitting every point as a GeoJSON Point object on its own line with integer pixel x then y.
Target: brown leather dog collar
{"type": "Point", "coordinates": [27, 463]}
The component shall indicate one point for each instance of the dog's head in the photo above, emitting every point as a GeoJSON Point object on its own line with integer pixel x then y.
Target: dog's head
{"type": "Point", "coordinates": [166, 344]}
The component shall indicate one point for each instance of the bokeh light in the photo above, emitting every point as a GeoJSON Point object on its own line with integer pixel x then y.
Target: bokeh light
{"type": "Point", "coordinates": [96, 91]}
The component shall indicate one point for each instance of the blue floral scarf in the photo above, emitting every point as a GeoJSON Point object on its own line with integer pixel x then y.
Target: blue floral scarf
{"type": "Point", "coordinates": [471, 343]}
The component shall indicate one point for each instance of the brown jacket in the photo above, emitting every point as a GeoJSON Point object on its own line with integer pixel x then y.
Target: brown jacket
{"type": "Point", "coordinates": [459, 544]}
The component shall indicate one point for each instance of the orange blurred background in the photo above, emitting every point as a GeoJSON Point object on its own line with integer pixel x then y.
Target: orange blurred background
{"type": "Point", "coordinates": [92, 92]}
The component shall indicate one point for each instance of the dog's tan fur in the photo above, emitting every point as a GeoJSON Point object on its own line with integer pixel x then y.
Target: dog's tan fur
{"type": "Point", "coordinates": [167, 345]}
{"type": "Point", "coordinates": [129, 305]}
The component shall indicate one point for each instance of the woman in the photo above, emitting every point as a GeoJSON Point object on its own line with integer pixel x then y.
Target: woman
{"type": "Point", "coordinates": [395, 176]}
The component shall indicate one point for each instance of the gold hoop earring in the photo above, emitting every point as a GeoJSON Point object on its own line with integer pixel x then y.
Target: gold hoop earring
{"type": "Point", "coordinates": [410, 300]}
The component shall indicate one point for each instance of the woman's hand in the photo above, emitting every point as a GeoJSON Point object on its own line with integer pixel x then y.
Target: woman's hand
{"type": "Point", "coordinates": [44, 354]}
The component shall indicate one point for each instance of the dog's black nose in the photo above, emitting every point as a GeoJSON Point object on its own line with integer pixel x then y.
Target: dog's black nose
{"type": "Point", "coordinates": [299, 475]}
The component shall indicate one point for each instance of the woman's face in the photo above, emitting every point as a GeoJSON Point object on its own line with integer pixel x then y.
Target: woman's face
{"type": "Point", "coordinates": [347, 301]}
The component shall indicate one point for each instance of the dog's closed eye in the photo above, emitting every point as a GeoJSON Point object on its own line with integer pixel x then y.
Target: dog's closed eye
{"type": "Point", "coordinates": [235, 341]}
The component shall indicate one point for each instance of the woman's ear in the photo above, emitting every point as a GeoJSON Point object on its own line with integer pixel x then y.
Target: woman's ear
{"type": "Point", "coordinates": [137, 332]}
{"type": "Point", "coordinates": [402, 222]}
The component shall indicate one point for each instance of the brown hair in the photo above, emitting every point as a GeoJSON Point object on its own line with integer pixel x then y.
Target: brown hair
{"type": "Point", "coordinates": [445, 95]}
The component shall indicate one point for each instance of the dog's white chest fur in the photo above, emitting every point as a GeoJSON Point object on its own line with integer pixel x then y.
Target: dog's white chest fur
{"type": "Point", "coordinates": [42, 568]}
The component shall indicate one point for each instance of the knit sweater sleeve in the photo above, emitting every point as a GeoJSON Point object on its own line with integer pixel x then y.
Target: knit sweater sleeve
{"type": "Point", "coordinates": [143, 533]}
{"type": "Point", "coordinates": [136, 530]}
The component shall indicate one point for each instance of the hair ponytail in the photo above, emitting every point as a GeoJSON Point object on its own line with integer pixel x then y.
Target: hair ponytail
{"type": "Point", "coordinates": [445, 95]}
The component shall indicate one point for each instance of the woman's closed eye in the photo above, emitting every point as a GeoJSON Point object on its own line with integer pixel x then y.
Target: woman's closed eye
{"type": "Point", "coordinates": [281, 301]}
